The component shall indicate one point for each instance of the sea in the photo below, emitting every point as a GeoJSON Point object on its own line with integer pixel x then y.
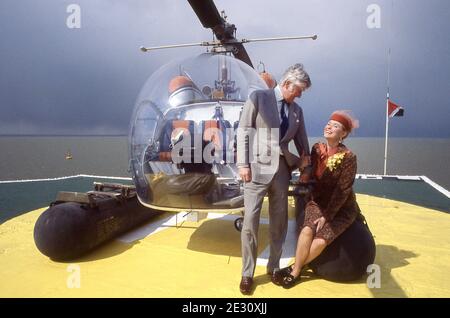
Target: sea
{"type": "Point", "coordinates": [41, 157]}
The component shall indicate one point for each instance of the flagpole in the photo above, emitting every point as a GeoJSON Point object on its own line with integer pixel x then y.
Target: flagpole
{"type": "Point", "coordinates": [387, 93]}
{"type": "Point", "coordinates": [387, 131]}
{"type": "Point", "coordinates": [387, 114]}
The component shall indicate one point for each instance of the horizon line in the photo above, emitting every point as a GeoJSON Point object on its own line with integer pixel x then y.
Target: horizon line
{"type": "Point", "coordinates": [125, 135]}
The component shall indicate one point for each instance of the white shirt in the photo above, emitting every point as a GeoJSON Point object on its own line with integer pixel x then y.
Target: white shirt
{"type": "Point", "coordinates": [279, 97]}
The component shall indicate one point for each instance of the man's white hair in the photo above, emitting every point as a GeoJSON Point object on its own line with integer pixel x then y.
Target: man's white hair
{"type": "Point", "coordinates": [295, 74]}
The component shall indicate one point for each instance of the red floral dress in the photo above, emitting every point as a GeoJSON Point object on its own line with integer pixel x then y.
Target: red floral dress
{"type": "Point", "coordinates": [332, 196]}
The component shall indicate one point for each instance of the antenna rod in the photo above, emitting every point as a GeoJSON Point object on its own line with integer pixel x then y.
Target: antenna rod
{"type": "Point", "coordinates": [313, 37]}
{"type": "Point", "coordinates": [218, 43]}
{"type": "Point", "coordinates": [146, 49]}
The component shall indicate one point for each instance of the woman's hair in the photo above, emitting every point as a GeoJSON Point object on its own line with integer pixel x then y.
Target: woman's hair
{"type": "Point", "coordinates": [347, 119]}
{"type": "Point", "coordinates": [296, 74]}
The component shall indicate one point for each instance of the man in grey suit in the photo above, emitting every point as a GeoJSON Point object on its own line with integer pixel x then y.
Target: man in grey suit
{"type": "Point", "coordinates": [270, 119]}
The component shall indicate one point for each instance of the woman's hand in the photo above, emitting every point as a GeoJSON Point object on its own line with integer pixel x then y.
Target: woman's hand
{"type": "Point", "coordinates": [304, 178]}
{"type": "Point", "coordinates": [320, 222]}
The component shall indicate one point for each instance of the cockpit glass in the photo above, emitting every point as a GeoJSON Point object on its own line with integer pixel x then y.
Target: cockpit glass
{"type": "Point", "coordinates": [184, 98]}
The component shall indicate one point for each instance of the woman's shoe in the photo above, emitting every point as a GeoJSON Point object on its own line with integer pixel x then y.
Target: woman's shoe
{"type": "Point", "coordinates": [286, 270]}
{"type": "Point", "coordinates": [290, 281]}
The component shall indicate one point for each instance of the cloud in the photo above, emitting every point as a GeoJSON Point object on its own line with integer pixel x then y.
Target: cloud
{"type": "Point", "coordinates": [60, 80]}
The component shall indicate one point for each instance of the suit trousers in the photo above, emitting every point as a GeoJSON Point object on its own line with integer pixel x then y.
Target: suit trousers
{"type": "Point", "coordinates": [254, 193]}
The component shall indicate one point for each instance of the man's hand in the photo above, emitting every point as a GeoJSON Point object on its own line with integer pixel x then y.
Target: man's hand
{"type": "Point", "coordinates": [320, 222]}
{"type": "Point", "coordinates": [245, 174]}
{"type": "Point", "coordinates": [305, 161]}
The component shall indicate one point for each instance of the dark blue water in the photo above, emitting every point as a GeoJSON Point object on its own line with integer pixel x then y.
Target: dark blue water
{"type": "Point", "coordinates": [44, 157]}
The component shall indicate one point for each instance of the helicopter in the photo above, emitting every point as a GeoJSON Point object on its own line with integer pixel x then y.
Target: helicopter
{"type": "Point", "coordinates": [182, 146]}
{"type": "Point", "coordinates": [182, 141]}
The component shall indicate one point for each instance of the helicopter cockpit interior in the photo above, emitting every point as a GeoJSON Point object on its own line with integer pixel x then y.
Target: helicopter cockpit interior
{"type": "Point", "coordinates": [182, 133]}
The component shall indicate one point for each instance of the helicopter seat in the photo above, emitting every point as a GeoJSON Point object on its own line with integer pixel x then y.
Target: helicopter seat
{"type": "Point", "coordinates": [183, 91]}
{"type": "Point", "coordinates": [175, 131]}
{"type": "Point", "coordinates": [215, 132]}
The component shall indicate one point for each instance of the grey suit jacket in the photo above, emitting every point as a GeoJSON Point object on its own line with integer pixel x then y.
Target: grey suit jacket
{"type": "Point", "coordinates": [258, 115]}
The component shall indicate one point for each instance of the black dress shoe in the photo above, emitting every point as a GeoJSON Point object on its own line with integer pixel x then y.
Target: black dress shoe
{"type": "Point", "coordinates": [246, 285]}
{"type": "Point", "coordinates": [276, 277]}
{"type": "Point", "coordinates": [290, 281]}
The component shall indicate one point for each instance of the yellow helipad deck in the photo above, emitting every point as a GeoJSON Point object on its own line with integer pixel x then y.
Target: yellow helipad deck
{"type": "Point", "coordinates": [202, 259]}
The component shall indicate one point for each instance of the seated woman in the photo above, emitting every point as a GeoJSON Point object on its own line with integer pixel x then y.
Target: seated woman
{"type": "Point", "coordinates": [333, 206]}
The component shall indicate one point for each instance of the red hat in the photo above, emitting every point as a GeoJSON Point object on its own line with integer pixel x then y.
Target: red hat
{"type": "Point", "coordinates": [345, 119]}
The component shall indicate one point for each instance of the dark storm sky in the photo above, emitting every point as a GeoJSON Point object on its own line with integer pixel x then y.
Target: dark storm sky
{"type": "Point", "coordinates": [56, 80]}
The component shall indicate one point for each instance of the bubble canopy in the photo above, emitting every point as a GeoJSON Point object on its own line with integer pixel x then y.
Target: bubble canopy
{"type": "Point", "coordinates": [208, 90]}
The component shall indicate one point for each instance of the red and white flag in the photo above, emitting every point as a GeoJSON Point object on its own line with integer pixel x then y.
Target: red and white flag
{"type": "Point", "coordinates": [394, 109]}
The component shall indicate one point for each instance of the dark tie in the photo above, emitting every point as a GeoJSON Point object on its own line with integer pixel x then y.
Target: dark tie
{"type": "Point", "coordinates": [284, 120]}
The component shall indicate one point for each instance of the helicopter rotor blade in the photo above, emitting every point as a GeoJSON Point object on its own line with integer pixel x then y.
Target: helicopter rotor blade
{"type": "Point", "coordinates": [240, 53]}
{"type": "Point", "coordinates": [206, 12]}
{"type": "Point", "coordinates": [209, 16]}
